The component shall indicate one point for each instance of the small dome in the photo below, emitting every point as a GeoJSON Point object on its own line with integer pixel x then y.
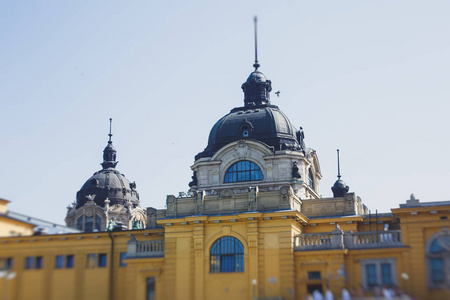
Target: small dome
{"type": "Point", "coordinates": [339, 188]}
{"type": "Point", "coordinates": [108, 183]}
{"type": "Point", "coordinates": [256, 77]}
{"type": "Point", "coordinates": [109, 147]}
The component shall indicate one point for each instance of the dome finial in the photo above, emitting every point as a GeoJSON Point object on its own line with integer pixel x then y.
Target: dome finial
{"type": "Point", "coordinates": [110, 134]}
{"type": "Point", "coordinates": [109, 153]}
{"type": "Point", "coordinates": [339, 167]}
{"type": "Point", "coordinates": [339, 188]}
{"type": "Point", "coordinates": [256, 64]}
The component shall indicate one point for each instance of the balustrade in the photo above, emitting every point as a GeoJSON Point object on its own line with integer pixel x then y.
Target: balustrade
{"type": "Point", "coordinates": [144, 248]}
{"type": "Point", "coordinates": [337, 239]}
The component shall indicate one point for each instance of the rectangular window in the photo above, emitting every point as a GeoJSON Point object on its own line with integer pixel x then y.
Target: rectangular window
{"type": "Point", "coordinates": [371, 275]}
{"type": "Point", "coordinates": [314, 275]}
{"type": "Point", "coordinates": [6, 263]}
{"type": "Point", "coordinates": [102, 260]}
{"type": "Point", "coordinates": [96, 261]}
{"type": "Point", "coordinates": [386, 273]}
{"type": "Point", "coordinates": [150, 295]}
{"type": "Point", "coordinates": [59, 263]}
{"type": "Point", "coordinates": [34, 262]}
{"type": "Point", "coordinates": [437, 270]}
{"type": "Point", "coordinates": [70, 260]}
{"type": "Point", "coordinates": [64, 261]}
{"type": "Point", "coordinates": [378, 272]}
{"type": "Point", "coordinates": [123, 255]}
{"type": "Point", "coordinates": [29, 262]}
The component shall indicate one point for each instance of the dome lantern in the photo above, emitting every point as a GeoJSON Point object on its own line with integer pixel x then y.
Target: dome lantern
{"type": "Point", "coordinates": [109, 153]}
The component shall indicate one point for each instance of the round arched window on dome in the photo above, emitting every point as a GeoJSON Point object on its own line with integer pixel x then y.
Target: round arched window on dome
{"type": "Point", "coordinates": [243, 171]}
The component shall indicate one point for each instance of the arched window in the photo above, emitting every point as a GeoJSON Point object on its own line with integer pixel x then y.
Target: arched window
{"type": "Point", "coordinates": [89, 224]}
{"type": "Point", "coordinates": [227, 255]}
{"type": "Point", "coordinates": [438, 256]}
{"type": "Point", "coordinates": [80, 223]}
{"type": "Point", "coordinates": [311, 180]}
{"type": "Point", "coordinates": [98, 223]}
{"type": "Point", "coordinates": [243, 171]}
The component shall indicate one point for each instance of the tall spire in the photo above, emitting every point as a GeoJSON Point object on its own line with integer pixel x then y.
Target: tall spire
{"type": "Point", "coordinates": [256, 64]}
{"type": "Point", "coordinates": [339, 188]}
{"type": "Point", "coordinates": [109, 153]}
{"type": "Point", "coordinates": [339, 168]}
{"type": "Point", "coordinates": [257, 87]}
{"type": "Point", "coordinates": [110, 134]}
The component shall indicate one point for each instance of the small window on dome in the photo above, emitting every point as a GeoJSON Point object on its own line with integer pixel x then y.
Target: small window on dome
{"type": "Point", "coordinates": [245, 131]}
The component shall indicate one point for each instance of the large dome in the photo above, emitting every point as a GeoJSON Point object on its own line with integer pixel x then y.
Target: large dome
{"type": "Point", "coordinates": [256, 120]}
{"type": "Point", "coordinates": [108, 183]}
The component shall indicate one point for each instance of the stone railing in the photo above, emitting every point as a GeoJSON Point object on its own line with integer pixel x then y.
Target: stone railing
{"type": "Point", "coordinates": [337, 239]}
{"type": "Point", "coordinates": [138, 249]}
{"type": "Point", "coordinates": [312, 241]}
{"type": "Point", "coordinates": [373, 239]}
{"type": "Point", "coordinates": [320, 241]}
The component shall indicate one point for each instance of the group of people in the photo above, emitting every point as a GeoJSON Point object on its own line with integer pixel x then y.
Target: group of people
{"type": "Point", "coordinates": [317, 295]}
{"type": "Point", "coordinates": [385, 292]}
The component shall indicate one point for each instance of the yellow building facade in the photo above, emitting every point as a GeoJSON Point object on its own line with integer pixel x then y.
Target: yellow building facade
{"type": "Point", "coordinates": [253, 225]}
{"type": "Point", "coordinates": [285, 254]}
{"type": "Point", "coordinates": [10, 226]}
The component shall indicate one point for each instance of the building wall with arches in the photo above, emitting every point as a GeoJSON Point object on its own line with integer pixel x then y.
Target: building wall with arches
{"type": "Point", "coordinates": [285, 255]}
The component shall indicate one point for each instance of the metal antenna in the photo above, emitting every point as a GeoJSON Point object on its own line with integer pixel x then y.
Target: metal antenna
{"type": "Point", "coordinates": [256, 65]}
{"type": "Point", "coordinates": [110, 127]}
{"type": "Point", "coordinates": [339, 167]}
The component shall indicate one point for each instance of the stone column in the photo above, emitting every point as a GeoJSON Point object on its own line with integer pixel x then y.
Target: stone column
{"type": "Point", "coordinates": [199, 254]}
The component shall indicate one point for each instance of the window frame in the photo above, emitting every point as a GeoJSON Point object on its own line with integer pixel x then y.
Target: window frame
{"type": "Point", "coordinates": [6, 263]}
{"type": "Point", "coordinates": [379, 272]}
{"type": "Point", "coordinates": [443, 255]}
{"type": "Point", "coordinates": [223, 259]}
{"type": "Point", "coordinates": [238, 170]}
{"type": "Point", "coordinates": [34, 262]}
{"type": "Point", "coordinates": [96, 260]}
{"type": "Point", "coordinates": [95, 222]}
{"type": "Point", "coordinates": [64, 261]}
{"type": "Point", "coordinates": [123, 255]}
{"type": "Point", "coordinates": [311, 179]}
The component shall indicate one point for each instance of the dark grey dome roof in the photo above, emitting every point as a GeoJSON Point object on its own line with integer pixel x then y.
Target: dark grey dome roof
{"type": "Point", "coordinates": [108, 183]}
{"type": "Point", "coordinates": [339, 188]}
{"type": "Point", "coordinates": [259, 119]}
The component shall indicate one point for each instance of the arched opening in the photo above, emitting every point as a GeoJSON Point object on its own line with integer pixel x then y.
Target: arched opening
{"type": "Point", "coordinates": [243, 171]}
{"type": "Point", "coordinates": [227, 255]}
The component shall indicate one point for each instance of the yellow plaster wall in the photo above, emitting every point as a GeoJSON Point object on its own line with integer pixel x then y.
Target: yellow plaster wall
{"type": "Point", "coordinates": [183, 273]}
{"type": "Point", "coordinates": [418, 226]}
{"type": "Point", "coordinates": [11, 227]}
{"type": "Point", "coordinates": [78, 283]}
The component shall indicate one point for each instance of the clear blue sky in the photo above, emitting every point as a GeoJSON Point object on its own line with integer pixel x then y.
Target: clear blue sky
{"type": "Point", "coordinates": [367, 77]}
